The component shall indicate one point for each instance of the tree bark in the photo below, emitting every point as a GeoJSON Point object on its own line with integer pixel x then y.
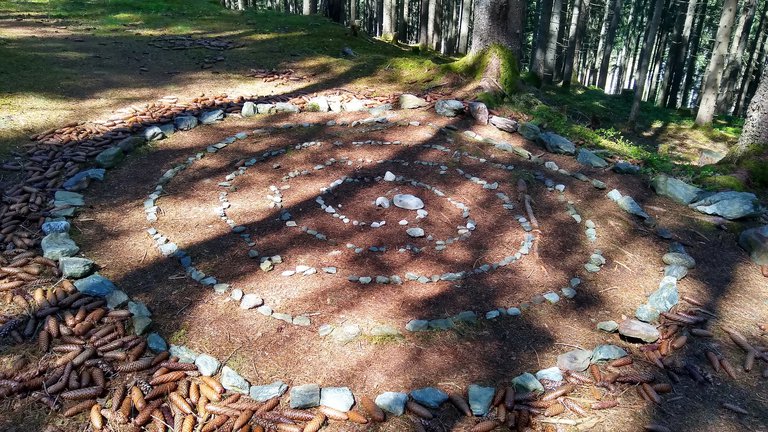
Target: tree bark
{"type": "Point", "coordinates": [735, 59]}
{"type": "Point", "coordinates": [673, 59]}
{"type": "Point", "coordinates": [712, 81]}
{"type": "Point", "coordinates": [388, 18]}
{"type": "Point", "coordinates": [690, 69]}
{"type": "Point", "coordinates": [542, 39]}
{"type": "Point", "coordinates": [466, 7]}
{"type": "Point", "coordinates": [755, 131]}
{"type": "Point", "coordinates": [402, 30]}
{"type": "Point", "coordinates": [626, 48]}
{"type": "Point", "coordinates": [634, 60]}
{"type": "Point", "coordinates": [678, 66]}
{"type": "Point", "coordinates": [757, 45]}
{"type": "Point", "coordinates": [573, 34]}
{"type": "Point", "coordinates": [424, 23]}
{"type": "Point", "coordinates": [551, 54]}
{"type": "Point", "coordinates": [645, 59]}
{"type": "Point", "coordinates": [562, 42]}
{"type": "Point", "coordinates": [498, 21]}
{"type": "Point", "coordinates": [610, 38]}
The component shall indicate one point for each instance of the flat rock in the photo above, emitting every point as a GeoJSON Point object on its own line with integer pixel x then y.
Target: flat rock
{"type": "Point", "coordinates": [56, 226]}
{"type": "Point", "coordinates": [392, 402]}
{"type": "Point", "coordinates": [646, 313]}
{"type": "Point", "coordinates": [504, 124]}
{"type": "Point", "coordinates": [305, 396]}
{"type": "Point", "coordinates": [552, 374]}
{"type": "Point", "coordinates": [430, 397]}
{"type": "Point", "coordinates": [479, 112]}
{"type": "Point", "coordinates": [449, 107]}
{"type": "Point", "coordinates": [408, 202]}
{"type": "Point", "coordinates": [529, 131]}
{"type": "Point", "coordinates": [638, 330]}
{"type": "Point", "coordinates": [116, 299]}
{"type": "Point", "coordinates": [608, 326]}
{"type": "Point", "coordinates": [250, 301]}
{"type": "Point", "coordinates": [415, 232]}
{"type": "Point", "coordinates": [82, 179]}
{"type": "Point", "coordinates": [680, 259]}
{"type": "Point", "coordinates": [622, 167]}
{"type": "Point", "coordinates": [677, 271]}
{"type": "Point", "coordinates": [232, 381]}
{"type": "Point", "coordinates": [268, 391]}
{"type": "Point", "coordinates": [417, 325]}
{"type": "Point", "coordinates": [184, 123]}
{"type": "Point", "coordinates": [141, 324]}
{"type": "Point", "coordinates": [156, 343]}
{"type": "Point", "coordinates": [590, 159]}
{"type": "Point", "coordinates": [629, 205]}
{"type": "Point", "coordinates": [754, 241]}
{"type": "Point", "coordinates": [526, 382]}
{"type": "Point", "coordinates": [607, 352]}
{"type": "Point", "coordinates": [480, 399]}
{"type": "Point", "coordinates": [338, 398]}
{"type": "Point", "coordinates": [184, 354]}
{"type": "Point", "coordinates": [576, 360]}
{"type": "Point", "coordinates": [678, 190]}
{"type": "Point", "coordinates": [95, 285]}
{"type": "Point", "coordinates": [129, 144]}
{"type": "Point", "coordinates": [409, 101]}
{"type": "Point", "coordinates": [730, 205]}
{"type": "Point", "coordinates": [210, 117]}
{"type": "Point", "coordinates": [58, 245]}
{"type": "Point", "coordinates": [666, 296]}
{"type": "Point", "coordinates": [75, 267]}
{"type": "Point", "coordinates": [207, 365]}
{"type": "Point", "coordinates": [555, 143]}
{"type": "Point", "coordinates": [248, 110]}
{"type": "Point", "coordinates": [153, 133]}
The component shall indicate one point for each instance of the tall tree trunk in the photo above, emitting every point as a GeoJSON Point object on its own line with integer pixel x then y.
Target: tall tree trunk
{"type": "Point", "coordinates": [716, 63]}
{"type": "Point", "coordinates": [610, 38]}
{"type": "Point", "coordinates": [466, 7]}
{"type": "Point", "coordinates": [626, 48]}
{"type": "Point", "coordinates": [388, 18]}
{"type": "Point", "coordinates": [690, 69]}
{"type": "Point", "coordinates": [735, 58]}
{"type": "Point", "coordinates": [562, 42]}
{"type": "Point", "coordinates": [424, 23]}
{"type": "Point", "coordinates": [637, 48]}
{"type": "Point", "coordinates": [554, 28]}
{"type": "Point", "coordinates": [655, 69]}
{"type": "Point", "coordinates": [542, 39]}
{"type": "Point", "coordinates": [605, 23]}
{"type": "Point", "coordinates": [678, 66]}
{"type": "Point", "coordinates": [352, 11]}
{"type": "Point", "coordinates": [498, 21]}
{"type": "Point", "coordinates": [673, 60]}
{"type": "Point", "coordinates": [573, 34]}
{"type": "Point", "coordinates": [755, 131]}
{"type": "Point", "coordinates": [581, 52]}
{"type": "Point", "coordinates": [334, 9]}
{"type": "Point", "coordinates": [757, 45]}
{"type": "Point", "coordinates": [645, 59]}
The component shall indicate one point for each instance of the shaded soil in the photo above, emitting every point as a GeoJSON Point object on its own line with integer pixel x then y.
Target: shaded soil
{"type": "Point", "coordinates": [112, 233]}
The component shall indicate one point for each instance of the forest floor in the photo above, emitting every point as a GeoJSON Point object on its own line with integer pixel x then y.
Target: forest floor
{"type": "Point", "coordinates": [66, 61]}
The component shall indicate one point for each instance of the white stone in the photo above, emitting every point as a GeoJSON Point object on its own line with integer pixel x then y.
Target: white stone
{"type": "Point", "coordinates": [408, 202]}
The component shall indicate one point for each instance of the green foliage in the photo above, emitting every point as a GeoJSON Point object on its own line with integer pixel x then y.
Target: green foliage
{"type": "Point", "coordinates": [475, 65]}
{"type": "Point", "coordinates": [722, 182]}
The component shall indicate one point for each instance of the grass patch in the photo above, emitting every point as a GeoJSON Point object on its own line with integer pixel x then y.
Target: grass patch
{"type": "Point", "coordinates": [495, 57]}
{"type": "Point", "coordinates": [384, 339]}
{"type": "Point", "coordinates": [180, 336]}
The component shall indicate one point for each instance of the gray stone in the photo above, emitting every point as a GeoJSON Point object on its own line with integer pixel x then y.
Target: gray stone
{"type": "Point", "coordinates": [250, 301]}
{"type": "Point", "coordinates": [58, 245]}
{"type": "Point", "coordinates": [285, 107]}
{"type": "Point", "coordinates": [184, 354]}
{"type": "Point", "coordinates": [302, 320]}
{"type": "Point", "coordinates": [95, 285]}
{"type": "Point", "coordinates": [677, 271]}
{"type": "Point", "coordinates": [755, 242]}
{"type": "Point", "coordinates": [529, 131]}
{"type": "Point", "coordinates": [110, 157]}
{"type": "Point", "coordinates": [141, 324]}
{"type": "Point", "coordinates": [608, 326]}
{"type": "Point", "coordinates": [305, 396]}
{"type": "Point", "coordinates": [480, 399]}
{"type": "Point", "coordinates": [156, 343]}
{"type": "Point", "coordinates": [184, 123]}
{"type": "Point", "coordinates": [552, 297]}
{"type": "Point", "coordinates": [248, 110]}
{"type": "Point", "coordinates": [415, 232]}
{"type": "Point", "coordinates": [268, 391]}
{"type": "Point", "coordinates": [679, 258]}
{"type": "Point", "coordinates": [625, 168]}
{"type": "Point", "coordinates": [730, 205]}
{"type": "Point", "coordinates": [354, 105]}
{"type": "Point", "coordinates": [417, 325]}
{"type": "Point", "coordinates": [385, 330]}
{"type": "Point", "coordinates": [138, 309]}
{"type": "Point", "coordinates": [552, 374]}
{"type": "Point", "coordinates": [207, 365]}
{"type": "Point", "coordinates": [318, 104]}
{"type": "Point", "coordinates": [116, 299]}
{"type": "Point", "coordinates": [264, 310]}
{"type": "Point", "coordinates": [409, 101]}
{"type": "Point", "coordinates": [629, 205]}
{"type": "Point", "coordinates": [82, 179]}
{"type": "Point", "coordinates": [153, 133]}
{"type": "Point", "coordinates": [346, 333]}
{"type": "Point", "coordinates": [232, 381]}
{"type": "Point", "coordinates": [465, 316]}
{"type": "Point", "coordinates": [638, 330]}
{"type": "Point", "coordinates": [527, 383]}
{"type": "Point", "coordinates": [210, 117]}
{"type": "Point", "coordinates": [129, 144]}
{"type": "Point", "coordinates": [479, 112]}
{"type": "Point", "coordinates": [505, 124]}
{"type": "Point", "coordinates": [283, 317]}
{"type": "Point", "coordinates": [576, 360]}
{"type": "Point", "coordinates": [55, 226]}
{"type": "Point", "coordinates": [392, 402]}
{"type": "Point", "coordinates": [441, 324]}
{"type": "Point", "coordinates": [430, 397]}
{"type": "Point", "coordinates": [676, 189]}
{"type": "Point", "coordinates": [646, 313]}
{"type": "Point", "coordinates": [264, 108]}
{"type": "Point", "coordinates": [407, 201]}
{"type": "Point", "coordinates": [588, 158]}
{"type": "Point", "coordinates": [168, 129]}
{"type": "Point", "coordinates": [556, 144]}
{"type": "Point", "coordinates": [569, 292]}
{"type": "Point", "coordinates": [338, 398]}
{"type": "Point", "coordinates": [664, 298]}
{"type": "Point", "coordinates": [607, 352]}
{"type": "Point", "coordinates": [449, 107]}
{"type": "Point", "coordinates": [75, 267]}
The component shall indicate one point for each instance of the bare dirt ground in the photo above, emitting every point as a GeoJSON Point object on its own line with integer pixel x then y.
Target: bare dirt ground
{"type": "Point", "coordinates": [111, 231]}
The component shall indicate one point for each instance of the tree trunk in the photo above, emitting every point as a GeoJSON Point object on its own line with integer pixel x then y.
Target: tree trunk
{"type": "Point", "coordinates": [466, 7]}
{"type": "Point", "coordinates": [424, 23]}
{"type": "Point", "coordinates": [656, 63]}
{"type": "Point", "coordinates": [673, 60]}
{"type": "Point", "coordinates": [716, 63]}
{"type": "Point", "coordinates": [645, 59]}
{"type": "Point", "coordinates": [542, 39]}
{"type": "Point", "coordinates": [580, 57]}
{"type": "Point", "coordinates": [637, 49]}
{"type": "Point", "coordinates": [498, 21]}
{"type": "Point", "coordinates": [757, 45]}
{"type": "Point", "coordinates": [562, 42]}
{"type": "Point", "coordinates": [678, 66]}
{"type": "Point", "coordinates": [388, 18]}
{"type": "Point", "coordinates": [605, 23]}
{"type": "Point", "coordinates": [352, 11]}
{"type": "Point", "coordinates": [755, 131]}
{"type": "Point", "coordinates": [735, 59]}
{"type": "Point", "coordinates": [402, 30]}
{"type": "Point", "coordinates": [690, 69]}
{"type": "Point", "coordinates": [625, 53]}
{"type": "Point", "coordinates": [573, 34]}
{"type": "Point", "coordinates": [550, 56]}
{"type": "Point", "coordinates": [610, 38]}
